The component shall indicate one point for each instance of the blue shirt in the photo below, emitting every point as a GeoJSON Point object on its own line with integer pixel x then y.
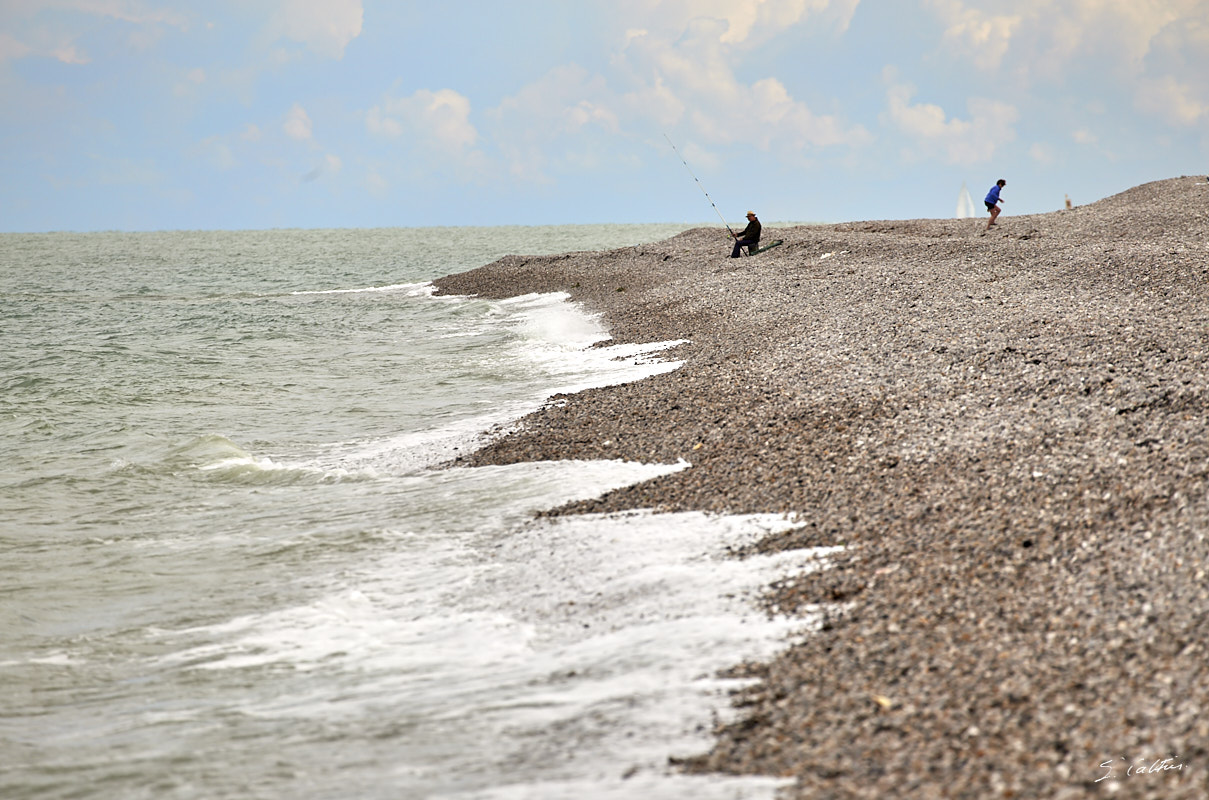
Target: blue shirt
{"type": "Point", "coordinates": [993, 195]}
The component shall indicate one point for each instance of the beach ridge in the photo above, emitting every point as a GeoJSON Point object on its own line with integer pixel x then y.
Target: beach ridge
{"type": "Point", "coordinates": [1005, 428]}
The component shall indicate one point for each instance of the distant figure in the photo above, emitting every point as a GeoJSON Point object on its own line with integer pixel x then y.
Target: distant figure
{"type": "Point", "coordinates": [993, 200]}
{"type": "Point", "coordinates": [750, 237]}
{"type": "Point", "coordinates": [1068, 203]}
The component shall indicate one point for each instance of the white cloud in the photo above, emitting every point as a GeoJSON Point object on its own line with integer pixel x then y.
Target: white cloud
{"type": "Point", "coordinates": [1044, 37]}
{"type": "Point", "coordinates": [1178, 101]}
{"type": "Point", "coordinates": [675, 63]}
{"type": "Point", "coordinates": [330, 165]}
{"type": "Point", "coordinates": [217, 153]}
{"type": "Point", "coordinates": [685, 56]}
{"type": "Point", "coordinates": [928, 130]}
{"type": "Point", "coordinates": [434, 131]}
{"type": "Point", "coordinates": [44, 42]}
{"type": "Point", "coordinates": [31, 33]}
{"type": "Point", "coordinates": [983, 36]}
{"type": "Point", "coordinates": [1091, 141]}
{"type": "Point", "coordinates": [438, 120]}
{"type": "Point", "coordinates": [562, 116]}
{"type": "Point", "coordinates": [731, 22]}
{"type": "Point", "coordinates": [1043, 153]}
{"type": "Point", "coordinates": [192, 79]}
{"type": "Point", "coordinates": [297, 124]}
{"type": "Point", "coordinates": [1155, 52]}
{"type": "Point", "coordinates": [564, 100]}
{"type": "Point", "coordinates": [656, 102]}
{"type": "Point", "coordinates": [703, 158]}
{"type": "Point", "coordinates": [68, 54]}
{"type": "Point", "coordinates": [12, 49]}
{"type": "Point", "coordinates": [1084, 137]}
{"type": "Point", "coordinates": [325, 26]}
{"type": "Point", "coordinates": [131, 11]}
{"type": "Point", "coordinates": [376, 185]}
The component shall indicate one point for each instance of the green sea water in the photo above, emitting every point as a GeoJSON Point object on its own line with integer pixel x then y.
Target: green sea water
{"type": "Point", "coordinates": [231, 571]}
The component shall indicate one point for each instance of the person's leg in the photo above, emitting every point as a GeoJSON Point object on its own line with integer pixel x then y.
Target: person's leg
{"type": "Point", "coordinates": [739, 243]}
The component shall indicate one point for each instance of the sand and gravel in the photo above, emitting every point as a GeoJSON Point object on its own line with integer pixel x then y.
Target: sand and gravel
{"type": "Point", "coordinates": [1007, 432]}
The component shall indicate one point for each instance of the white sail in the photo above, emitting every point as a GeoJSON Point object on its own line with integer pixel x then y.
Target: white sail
{"type": "Point", "coordinates": [965, 203]}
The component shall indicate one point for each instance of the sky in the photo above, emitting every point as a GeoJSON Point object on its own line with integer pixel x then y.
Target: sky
{"type": "Point", "coordinates": [253, 114]}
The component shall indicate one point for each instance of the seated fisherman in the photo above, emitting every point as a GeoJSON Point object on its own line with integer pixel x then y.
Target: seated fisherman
{"type": "Point", "coordinates": [750, 237]}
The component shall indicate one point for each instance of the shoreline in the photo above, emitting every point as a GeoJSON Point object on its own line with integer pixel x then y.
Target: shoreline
{"type": "Point", "coordinates": [1006, 431]}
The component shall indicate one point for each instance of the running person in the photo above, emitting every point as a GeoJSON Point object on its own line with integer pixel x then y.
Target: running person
{"type": "Point", "coordinates": [993, 200]}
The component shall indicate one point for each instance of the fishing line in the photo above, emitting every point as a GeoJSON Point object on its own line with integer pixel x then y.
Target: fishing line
{"type": "Point", "coordinates": [690, 172]}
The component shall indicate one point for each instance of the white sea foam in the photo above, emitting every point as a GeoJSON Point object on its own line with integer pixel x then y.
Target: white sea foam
{"type": "Point", "coordinates": [411, 289]}
{"type": "Point", "coordinates": [582, 648]}
{"type": "Point", "coordinates": [560, 337]}
{"type": "Point", "coordinates": [219, 459]}
{"type": "Point", "coordinates": [554, 347]}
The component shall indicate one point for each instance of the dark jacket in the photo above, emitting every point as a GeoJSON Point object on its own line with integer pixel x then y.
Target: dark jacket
{"type": "Point", "coordinates": [752, 232]}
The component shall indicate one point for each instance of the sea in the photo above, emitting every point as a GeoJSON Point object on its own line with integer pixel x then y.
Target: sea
{"type": "Point", "coordinates": [234, 565]}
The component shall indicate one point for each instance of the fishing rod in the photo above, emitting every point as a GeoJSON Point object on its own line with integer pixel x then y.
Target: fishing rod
{"type": "Point", "coordinates": [690, 172]}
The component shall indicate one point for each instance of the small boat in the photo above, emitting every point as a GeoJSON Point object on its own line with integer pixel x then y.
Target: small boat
{"type": "Point", "coordinates": [965, 203]}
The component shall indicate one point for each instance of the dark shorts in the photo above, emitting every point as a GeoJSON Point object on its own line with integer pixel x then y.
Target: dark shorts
{"type": "Point", "coordinates": [988, 205]}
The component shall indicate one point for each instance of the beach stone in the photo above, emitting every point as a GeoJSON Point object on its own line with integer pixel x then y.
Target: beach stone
{"type": "Point", "coordinates": [1005, 429]}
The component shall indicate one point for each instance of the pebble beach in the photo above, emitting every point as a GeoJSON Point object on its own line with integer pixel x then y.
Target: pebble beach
{"type": "Point", "coordinates": [1004, 429]}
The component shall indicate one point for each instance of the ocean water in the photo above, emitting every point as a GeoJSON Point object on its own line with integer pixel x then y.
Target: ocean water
{"type": "Point", "coordinates": [231, 568]}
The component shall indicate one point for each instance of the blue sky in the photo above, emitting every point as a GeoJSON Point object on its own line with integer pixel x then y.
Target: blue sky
{"type": "Point", "coordinates": [248, 114]}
